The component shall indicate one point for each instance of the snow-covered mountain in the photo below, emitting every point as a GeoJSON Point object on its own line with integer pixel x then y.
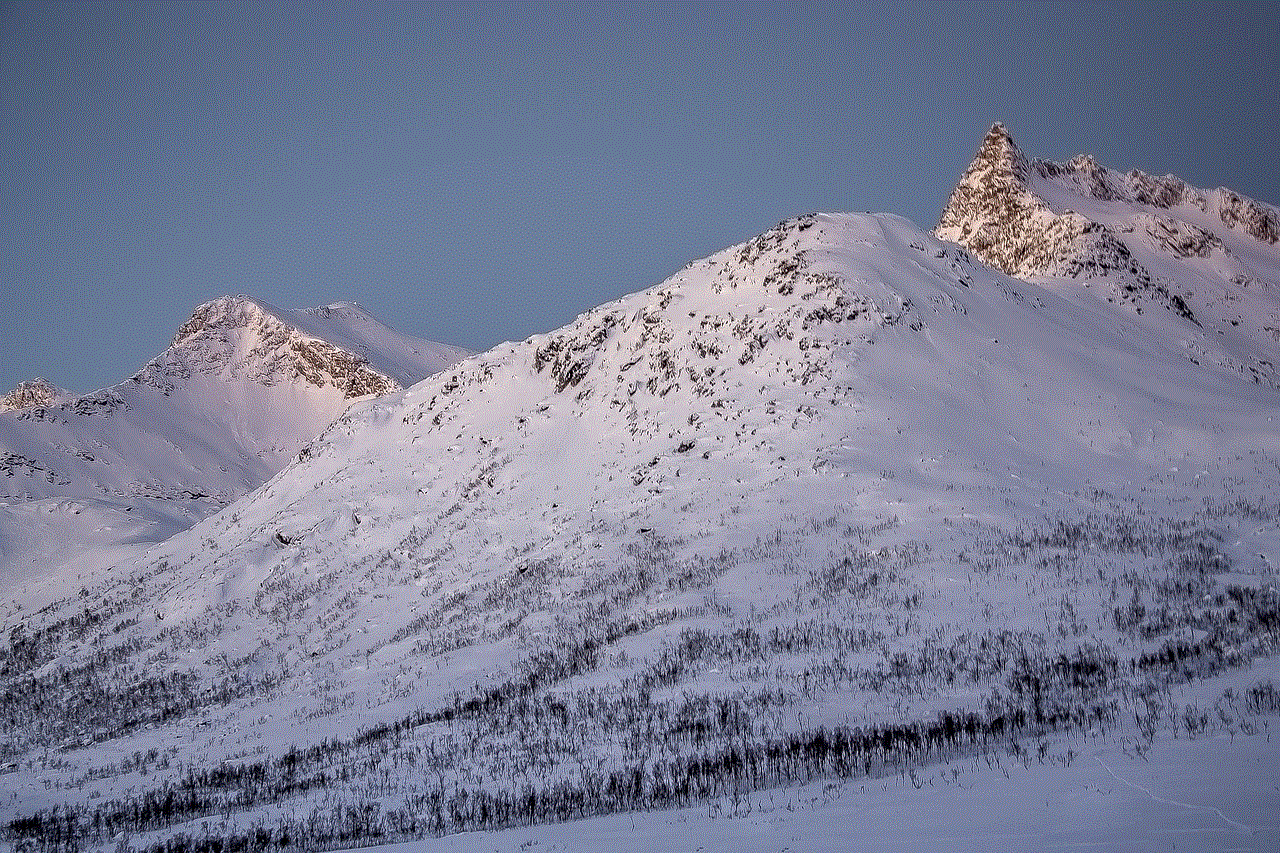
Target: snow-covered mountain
{"type": "Point", "coordinates": [1208, 256]}
{"type": "Point", "coordinates": [839, 501]}
{"type": "Point", "coordinates": [241, 389]}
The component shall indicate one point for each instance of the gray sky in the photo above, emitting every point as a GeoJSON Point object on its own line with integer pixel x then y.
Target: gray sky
{"type": "Point", "coordinates": [473, 174]}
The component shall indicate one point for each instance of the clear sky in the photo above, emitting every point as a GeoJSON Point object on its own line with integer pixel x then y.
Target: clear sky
{"type": "Point", "coordinates": [473, 174]}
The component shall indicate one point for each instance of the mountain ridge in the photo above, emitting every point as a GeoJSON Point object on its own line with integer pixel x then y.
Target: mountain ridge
{"type": "Point", "coordinates": [1205, 256]}
{"type": "Point", "coordinates": [836, 501]}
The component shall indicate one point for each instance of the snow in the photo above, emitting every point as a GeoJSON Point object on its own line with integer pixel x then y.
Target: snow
{"type": "Point", "coordinates": [1204, 795]}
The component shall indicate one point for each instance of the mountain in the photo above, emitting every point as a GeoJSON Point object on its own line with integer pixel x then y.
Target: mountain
{"type": "Point", "coordinates": [839, 502]}
{"type": "Point", "coordinates": [339, 346]}
{"type": "Point", "coordinates": [1207, 256]}
{"type": "Point", "coordinates": [241, 389]}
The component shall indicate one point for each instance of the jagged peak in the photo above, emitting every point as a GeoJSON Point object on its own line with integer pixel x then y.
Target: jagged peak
{"type": "Point", "coordinates": [998, 186]}
{"type": "Point", "coordinates": [992, 189]}
{"type": "Point", "coordinates": [985, 211]}
{"type": "Point", "coordinates": [226, 312]}
{"type": "Point", "coordinates": [32, 393]}
{"type": "Point", "coordinates": [997, 213]}
{"type": "Point", "coordinates": [1000, 154]}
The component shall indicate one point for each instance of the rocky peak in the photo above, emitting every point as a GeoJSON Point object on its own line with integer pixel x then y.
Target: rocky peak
{"type": "Point", "coordinates": [989, 206]}
{"type": "Point", "coordinates": [995, 213]}
{"type": "Point", "coordinates": [242, 337]}
{"type": "Point", "coordinates": [223, 313]}
{"type": "Point", "coordinates": [30, 394]}
{"type": "Point", "coordinates": [999, 154]}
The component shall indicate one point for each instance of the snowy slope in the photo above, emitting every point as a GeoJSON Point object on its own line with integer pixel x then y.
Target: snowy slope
{"type": "Point", "coordinates": [242, 388]}
{"type": "Point", "coordinates": [404, 359]}
{"type": "Point", "coordinates": [842, 483]}
{"type": "Point", "coordinates": [1203, 793]}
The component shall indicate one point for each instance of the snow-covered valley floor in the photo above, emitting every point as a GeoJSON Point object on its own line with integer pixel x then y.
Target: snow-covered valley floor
{"type": "Point", "coordinates": [1214, 793]}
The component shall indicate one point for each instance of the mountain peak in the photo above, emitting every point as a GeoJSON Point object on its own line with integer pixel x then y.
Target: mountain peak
{"type": "Point", "coordinates": [991, 199]}
{"type": "Point", "coordinates": [241, 389]}
{"type": "Point", "coordinates": [238, 336]}
{"type": "Point", "coordinates": [997, 213]}
{"type": "Point", "coordinates": [34, 392]}
{"type": "Point", "coordinates": [339, 344]}
{"type": "Point", "coordinates": [1000, 154]}
{"type": "Point", "coordinates": [226, 312]}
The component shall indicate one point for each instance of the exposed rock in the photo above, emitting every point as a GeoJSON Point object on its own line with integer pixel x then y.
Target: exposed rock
{"type": "Point", "coordinates": [1259, 221]}
{"type": "Point", "coordinates": [995, 214]}
{"type": "Point", "coordinates": [31, 394]}
{"type": "Point", "coordinates": [1178, 238]}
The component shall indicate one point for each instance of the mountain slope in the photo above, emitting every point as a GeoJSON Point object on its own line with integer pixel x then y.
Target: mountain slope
{"type": "Point", "coordinates": [837, 479]}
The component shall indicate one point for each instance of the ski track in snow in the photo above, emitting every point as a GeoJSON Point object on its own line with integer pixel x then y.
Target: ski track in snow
{"type": "Point", "coordinates": [1242, 827]}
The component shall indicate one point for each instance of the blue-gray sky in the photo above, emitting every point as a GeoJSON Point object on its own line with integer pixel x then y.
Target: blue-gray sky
{"type": "Point", "coordinates": [473, 174]}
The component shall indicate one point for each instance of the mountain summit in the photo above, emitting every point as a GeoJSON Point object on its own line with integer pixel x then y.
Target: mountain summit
{"type": "Point", "coordinates": [1145, 242]}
